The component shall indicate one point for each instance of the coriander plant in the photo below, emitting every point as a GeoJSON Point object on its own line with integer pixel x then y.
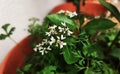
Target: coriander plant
{"type": "Point", "coordinates": [62, 45]}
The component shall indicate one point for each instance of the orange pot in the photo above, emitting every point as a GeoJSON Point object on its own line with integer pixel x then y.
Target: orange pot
{"type": "Point", "coordinates": [16, 57]}
{"type": "Point", "coordinates": [90, 8]}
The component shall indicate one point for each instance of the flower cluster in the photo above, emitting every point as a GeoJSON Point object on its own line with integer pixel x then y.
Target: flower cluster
{"type": "Point", "coordinates": [70, 14]}
{"type": "Point", "coordinates": [54, 37]}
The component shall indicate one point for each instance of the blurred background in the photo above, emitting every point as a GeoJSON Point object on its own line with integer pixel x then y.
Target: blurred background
{"type": "Point", "coordinates": [17, 13]}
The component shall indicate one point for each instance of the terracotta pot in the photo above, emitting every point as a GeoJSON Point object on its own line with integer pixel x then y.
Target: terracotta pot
{"type": "Point", "coordinates": [16, 57]}
{"type": "Point", "coordinates": [90, 8]}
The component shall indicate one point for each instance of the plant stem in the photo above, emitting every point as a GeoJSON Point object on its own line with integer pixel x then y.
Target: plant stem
{"type": "Point", "coordinates": [12, 40]}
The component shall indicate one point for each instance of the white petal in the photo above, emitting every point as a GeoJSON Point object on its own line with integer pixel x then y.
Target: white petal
{"type": "Point", "coordinates": [63, 23]}
{"type": "Point", "coordinates": [42, 52]}
{"type": "Point", "coordinates": [35, 49]}
{"type": "Point", "coordinates": [62, 38]}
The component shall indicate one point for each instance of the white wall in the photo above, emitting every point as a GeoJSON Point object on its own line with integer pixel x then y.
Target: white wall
{"type": "Point", "coordinates": [17, 13]}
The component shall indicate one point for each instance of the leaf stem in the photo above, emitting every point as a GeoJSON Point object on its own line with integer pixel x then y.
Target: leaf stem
{"type": "Point", "coordinates": [12, 40]}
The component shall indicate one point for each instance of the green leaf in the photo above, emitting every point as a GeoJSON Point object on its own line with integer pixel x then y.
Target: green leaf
{"type": "Point", "coordinates": [58, 18]}
{"type": "Point", "coordinates": [5, 27]}
{"type": "Point", "coordinates": [98, 25]}
{"type": "Point", "coordinates": [49, 70]}
{"type": "Point", "coordinates": [7, 32]}
{"type": "Point", "coordinates": [111, 8]}
{"type": "Point", "coordinates": [2, 36]}
{"type": "Point", "coordinates": [69, 55]}
{"type": "Point", "coordinates": [115, 53]}
{"type": "Point", "coordinates": [89, 71]}
{"type": "Point", "coordinates": [11, 31]}
{"type": "Point", "coordinates": [27, 67]}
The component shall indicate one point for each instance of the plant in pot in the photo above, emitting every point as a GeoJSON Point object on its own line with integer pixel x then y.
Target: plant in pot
{"type": "Point", "coordinates": [62, 45]}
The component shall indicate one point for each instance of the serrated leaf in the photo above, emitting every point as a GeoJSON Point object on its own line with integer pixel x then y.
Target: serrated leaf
{"type": "Point", "coordinates": [5, 27]}
{"type": "Point", "coordinates": [7, 33]}
{"type": "Point", "coordinates": [2, 36]}
{"type": "Point", "coordinates": [115, 53]}
{"type": "Point", "coordinates": [98, 25]}
{"type": "Point", "coordinates": [111, 8]}
{"type": "Point", "coordinates": [58, 18]}
{"type": "Point", "coordinates": [69, 55]}
{"type": "Point", "coordinates": [11, 31]}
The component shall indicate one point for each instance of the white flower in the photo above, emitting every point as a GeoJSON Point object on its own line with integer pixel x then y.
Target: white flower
{"type": "Point", "coordinates": [74, 13]}
{"type": "Point", "coordinates": [71, 14]}
{"type": "Point", "coordinates": [35, 49]}
{"type": "Point", "coordinates": [43, 51]}
{"type": "Point", "coordinates": [62, 38]}
{"type": "Point", "coordinates": [47, 33]}
{"type": "Point", "coordinates": [52, 27]}
{"type": "Point", "coordinates": [48, 48]}
{"type": "Point", "coordinates": [68, 31]}
{"type": "Point", "coordinates": [60, 43]}
{"type": "Point", "coordinates": [45, 41]}
{"type": "Point", "coordinates": [60, 29]}
{"type": "Point", "coordinates": [52, 31]}
{"type": "Point", "coordinates": [61, 11]}
{"type": "Point", "coordinates": [52, 40]}
{"type": "Point", "coordinates": [63, 23]}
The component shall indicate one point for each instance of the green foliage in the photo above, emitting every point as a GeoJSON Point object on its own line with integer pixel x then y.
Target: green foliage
{"type": "Point", "coordinates": [58, 18]}
{"type": "Point", "coordinates": [115, 53]}
{"type": "Point", "coordinates": [87, 52]}
{"type": "Point", "coordinates": [49, 70]}
{"type": "Point", "coordinates": [36, 29]}
{"type": "Point", "coordinates": [70, 55]}
{"type": "Point", "coordinates": [7, 31]}
{"type": "Point", "coordinates": [99, 24]}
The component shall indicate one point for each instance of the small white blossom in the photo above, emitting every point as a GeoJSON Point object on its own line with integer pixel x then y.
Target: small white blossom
{"type": "Point", "coordinates": [60, 29]}
{"type": "Point", "coordinates": [52, 40]}
{"type": "Point", "coordinates": [52, 30]}
{"type": "Point", "coordinates": [74, 13]}
{"type": "Point", "coordinates": [52, 27]}
{"type": "Point", "coordinates": [63, 23]}
{"type": "Point", "coordinates": [35, 49]}
{"type": "Point", "coordinates": [43, 51]}
{"type": "Point", "coordinates": [40, 48]}
{"type": "Point", "coordinates": [47, 33]}
{"type": "Point", "coordinates": [61, 11]}
{"type": "Point", "coordinates": [45, 41]}
{"type": "Point", "coordinates": [62, 38]}
{"type": "Point", "coordinates": [71, 14]}
{"type": "Point", "coordinates": [48, 48]}
{"type": "Point", "coordinates": [60, 43]}
{"type": "Point", "coordinates": [69, 32]}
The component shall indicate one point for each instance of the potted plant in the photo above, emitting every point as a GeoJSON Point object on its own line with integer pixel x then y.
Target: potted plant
{"type": "Point", "coordinates": [62, 45]}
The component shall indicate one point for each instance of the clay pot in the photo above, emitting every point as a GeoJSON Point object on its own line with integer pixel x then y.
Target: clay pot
{"type": "Point", "coordinates": [92, 8]}
{"type": "Point", "coordinates": [16, 57]}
